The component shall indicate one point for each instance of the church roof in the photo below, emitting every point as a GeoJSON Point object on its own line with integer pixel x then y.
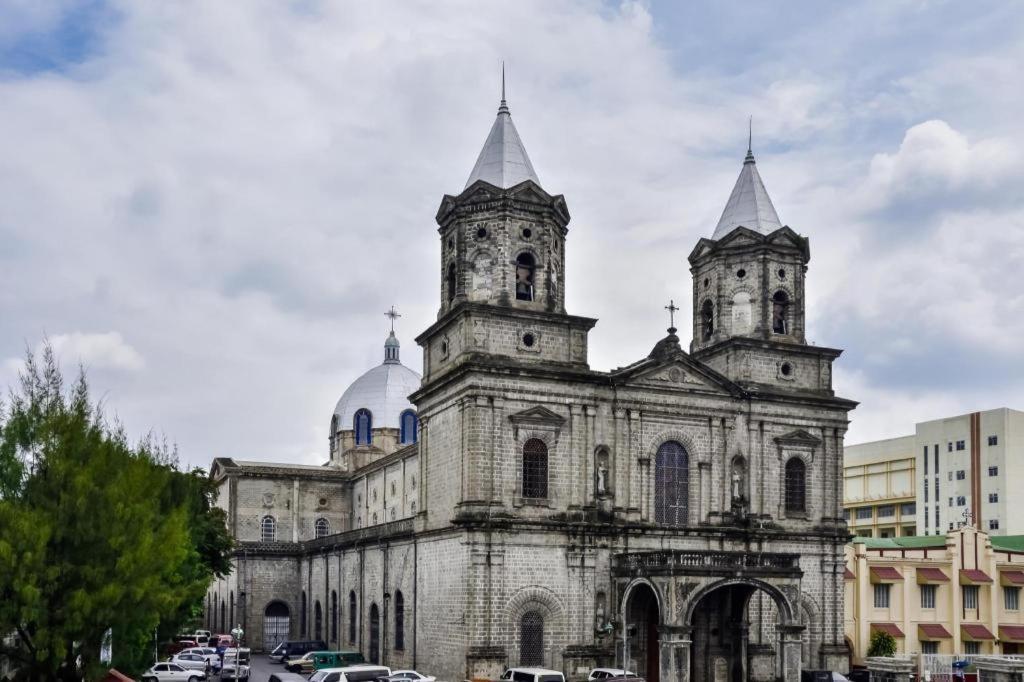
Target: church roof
{"type": "Point", "coordinates": [384, 391]}
{"type": "Point", "coordinates": [749, 204]}
{"type": "Point", "coordinates": [503, 161]}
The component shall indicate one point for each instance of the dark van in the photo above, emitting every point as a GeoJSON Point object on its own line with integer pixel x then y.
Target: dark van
{"type": "Point", "coordinates": [293, 649]}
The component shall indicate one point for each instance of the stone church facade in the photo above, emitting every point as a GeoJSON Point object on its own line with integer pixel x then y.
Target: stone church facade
{"type": "Point", "coordinates": [680, 516]}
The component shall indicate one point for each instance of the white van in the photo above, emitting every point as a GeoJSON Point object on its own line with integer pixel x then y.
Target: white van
{"type": "Point", "coordinates": [351, 673]}
{"type": "Point", "coordinates": [532, 675]}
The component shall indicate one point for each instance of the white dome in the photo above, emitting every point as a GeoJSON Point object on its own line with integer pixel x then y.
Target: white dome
{"type": "Point", "coordinates": [384, 391]}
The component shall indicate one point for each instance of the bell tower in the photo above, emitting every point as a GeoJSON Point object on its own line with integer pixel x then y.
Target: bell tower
{"type": "Point", "coordinates": [748, 294]}
{"type": "Point", "coordinates": [502, 269]}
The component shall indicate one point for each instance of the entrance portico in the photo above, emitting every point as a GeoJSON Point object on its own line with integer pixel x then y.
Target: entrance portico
{"type": "Point", "coordinates": [687, 615]}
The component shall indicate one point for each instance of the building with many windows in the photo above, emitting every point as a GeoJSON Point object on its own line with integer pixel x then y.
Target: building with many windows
{"type": "Point", "coordinates": [955, 593]}
{"type": "Point", "coordinates": [960, 467]}
{"type": "Point", "coordinates": [880, 488]}
{"type": "Point", "coordinates": [680, 516]}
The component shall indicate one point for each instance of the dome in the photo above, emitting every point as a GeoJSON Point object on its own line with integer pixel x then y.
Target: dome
{"type": "Point", "coordinates": [384, 391]}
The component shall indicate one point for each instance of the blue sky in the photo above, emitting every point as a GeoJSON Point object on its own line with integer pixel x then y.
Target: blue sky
{"type": "Point", "coordinates": [211, 205]}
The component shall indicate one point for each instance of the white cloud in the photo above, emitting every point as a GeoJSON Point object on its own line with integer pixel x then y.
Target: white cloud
{"type": "Point", "coordinates": [106, 350]}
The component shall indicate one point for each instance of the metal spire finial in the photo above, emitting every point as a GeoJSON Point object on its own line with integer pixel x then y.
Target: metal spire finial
{"type": "Point", "coordinates": [503, 107]}
{"type": "Point", "coordinates": [750, 139]}
{"type": "Point", "coordinates": [392, 314]}
{"type": "Point", "coordinates": [671, 308]}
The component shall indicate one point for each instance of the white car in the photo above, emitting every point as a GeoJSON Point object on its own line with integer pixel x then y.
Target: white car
{"type": "Point", "coordinates": [532, 675]}
{"type": "Point", "coordinates": [410, 676]}
{"type": "Point", "coordinates": [206, 652]}
{"type": "Point", "coordinates": [191, 661]}
{"type": "Point", "coordinates": [172, 671]}
{"type": "Point", "coordinates": [351, 673]}
{"type": "Point", "coordinates": [605, 673]}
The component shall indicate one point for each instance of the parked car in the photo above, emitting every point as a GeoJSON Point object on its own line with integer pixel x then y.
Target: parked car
{"type": "Point", "coordinates": [221, 641]}
{"type": "Point", "coordinates": [337, 659]}
{"type": "Point", "coordinates": [173, 672]}
{"type": "Point", "coordinates": [211, 655]}
{"type": "Point", "coordinates": [298, 647]}
{"type": "Point", "coordinates": [605, 673]}
{"type": "Point", "coordinates": [303, 663]}
{"type": "Point", "coordinates": [532, 675]}
{"type": "Point", "coordinates": [286, 677]}
{"type": "Point", "coordinates": [236, 658]}
{"type": "Point", "coordinates": [191, 661]}
{"type": "Point", "coordinates": [408, 676]}
{"type": "Point", "coordinates": [352, 673]}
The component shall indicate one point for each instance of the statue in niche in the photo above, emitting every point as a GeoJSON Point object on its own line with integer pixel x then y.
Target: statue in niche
{"type": "Point", "coordinates": [601, 470]}
{"type": "Point", "coordinates": [738, 486]}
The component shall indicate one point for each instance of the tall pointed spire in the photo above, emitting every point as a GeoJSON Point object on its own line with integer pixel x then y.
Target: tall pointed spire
{"type": "Point", "coordinates": [749, 204]}
{"type": "Point", "coordinates": [503, 161]}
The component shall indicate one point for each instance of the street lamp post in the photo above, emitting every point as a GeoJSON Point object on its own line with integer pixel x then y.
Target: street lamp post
{"type": "Point", "coordinates": [237, 633]}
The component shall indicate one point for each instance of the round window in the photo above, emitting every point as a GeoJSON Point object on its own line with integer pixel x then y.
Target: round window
{"type": "Point", "coordinates": [527, 233]}
{"type": "Point", "coordinates": [323, 501]}
{"type": "Point", "coordinates": [787, 369]}
{"type": "Point", "coordinates": [741, 273]}
{"type": "Point", "coordinates": [706, 282]}
{"type": "Point", "coordinates": [529, 340]}
{"type": "Point", "coordinates": [444, 348]}
{"type": "Point", "coordinates": [782, 273]}
{"type": "Point", "coordinates": [481, 232]}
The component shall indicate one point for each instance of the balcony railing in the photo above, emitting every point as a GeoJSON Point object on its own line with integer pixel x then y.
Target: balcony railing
{"type": "Point", "coordinates": [707, 562]}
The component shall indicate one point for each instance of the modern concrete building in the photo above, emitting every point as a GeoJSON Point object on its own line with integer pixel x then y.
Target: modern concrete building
{"type": "Point", "coordinates": [880, 488]}
{"type": "Point", "coordinates": [961, 468]}
{"type": "Point", "coordinates": [955, 593]}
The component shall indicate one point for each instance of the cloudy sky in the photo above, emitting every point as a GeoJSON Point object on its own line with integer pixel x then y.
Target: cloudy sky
{"type": "Point", "coordinates": [211, 205]}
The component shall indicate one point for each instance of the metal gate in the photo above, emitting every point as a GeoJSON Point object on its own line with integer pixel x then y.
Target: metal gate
{"type": "Point", "coordinates": [937, 667]}
{"type": "Point", "coordinates": [276, 625]}
{"type": "Point", "coordinates": [531, 639]}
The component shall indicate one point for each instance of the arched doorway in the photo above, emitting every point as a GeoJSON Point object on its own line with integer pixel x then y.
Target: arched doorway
{"type": "Point", "coordinates": [374, 634]}
{"type": "Point", "coordinates": [736, 636]}
{"type": "Point", "coordinates": [641, 648]}
{"type": "Point", "coordinates": [276, 624]}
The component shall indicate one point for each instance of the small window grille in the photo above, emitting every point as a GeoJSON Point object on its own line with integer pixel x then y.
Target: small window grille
{"type": "Point", "coordinates": [993, 440]}
{"type": "Point", "coordinates": [671, 484]}
{"type": "Point", "coordinates": [927, 596]}
{"type": "Point", "coordinates": [323, 528]}
{"type": "Point", "coordinates": [268, 529]}
{"type": "Point", "coordinates": [970, 596]}
{"type": "Point", "coordinates": [993, 524]}
{"type": "Point", "coordinates": [882, 596]}
{"type": "Point", "coordinates": [1011, 598]}
{"type": "Point", "coordinates": [796, 485]}
{"type": "Point", "coordinates": [535, 469]}
{"type": "Point", "coordinates": [972, 648]}
{"type": "Point", "coordinates": [993, 471]}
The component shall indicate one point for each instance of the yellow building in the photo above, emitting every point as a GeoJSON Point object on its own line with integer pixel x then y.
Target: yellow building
{"type": "Point", "coordinates": [880, 488]}
{"type": "Point", "coordinates": [953, 594]}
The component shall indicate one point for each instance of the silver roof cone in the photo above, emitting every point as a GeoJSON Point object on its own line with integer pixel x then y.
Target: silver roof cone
{"type": "Point", "coordinates": [503, 161]}
{"type": "Point", "coordinates": [749, 204]}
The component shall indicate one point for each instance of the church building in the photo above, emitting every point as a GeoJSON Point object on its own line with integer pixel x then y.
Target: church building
{"type": "Point", "coordinates": [680, 516]}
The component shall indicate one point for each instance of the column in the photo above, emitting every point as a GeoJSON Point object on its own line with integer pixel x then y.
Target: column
{"type": "Point", "coordinates": [790, 644]}
{"type": "Point", "coordinates": [675, 643]}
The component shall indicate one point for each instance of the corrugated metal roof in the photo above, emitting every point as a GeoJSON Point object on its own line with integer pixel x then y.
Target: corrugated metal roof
{"type": "Point", "coordinates": [503, 161]}
{"type": "Point", "coordinates": [975, 631]}
{"type": "Point", "coordinates": [890, 628]}
{"type": "Point", "coordinates": [749, 204]}
{"type": "Point", "coordinates": [933, 631]}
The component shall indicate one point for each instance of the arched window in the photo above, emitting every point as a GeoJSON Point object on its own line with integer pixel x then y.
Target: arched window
{"type": "Point", "coordinates": [535, 469]}
{"type": "Point", "coordinates": [671, 484]}
{"type": "Point", "coordinates": [268, 529]}
{"type": "Point", "coordinates": [352, 615]}
{"type": "Point", "coordinates": [741, 313]}
{"type": "Point", "coordinates": [531, 639]}
{"type": "Point", "coordinates": [451, 282]}
{"type": "Point", "coordinates": [334, 616]}
{"type": "Point", "coordinates": [363, 423]}
{"type": "Point", "coordinates": [525, 269]}
{"type": "Point", "coordinates": [323, 527]}
{"type": "Point", "coordinates": [333, 437]}
{"type": "Point", "coordinates": [231, 610]}
{"type": "Point", "coordinates": [796, 485]}
{"type": "Point", "coordinates": [223, 614]}
{"type": "Point", "coordinates": [303, 613]}
{"type": "Point", "coordinates": [318, 621]}
{"type": "Point", "coordinates": [399, 620]}
{"type": "Point", "coordinates": [707, 320]}
{"type": "Point", "coordinates": [374, 634]}
{"type": "Point", "coordinates": [780, 313]}
{"type": "Point", "coordinates": [410, 426]}
{"type": "Point", "coordinates": [276, 624]}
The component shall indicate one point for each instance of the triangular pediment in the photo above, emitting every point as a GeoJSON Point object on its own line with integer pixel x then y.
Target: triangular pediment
{"type": "Point", "coordinates": [798, 437]}
{"type": "Point", "coordinates": [537, 415]}
{"type": "Point", "coordinates": [677, 371]}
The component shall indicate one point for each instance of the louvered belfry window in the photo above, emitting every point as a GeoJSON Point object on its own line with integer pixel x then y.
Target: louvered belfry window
{"type": "Point", "coordinates": [796, 485]}
{"type": "Point", "coordinates": [535, 469]}
{"type": "Point", "coordinates": [671, 484]}
{"type": "Point", "coordinates": [531, 639]}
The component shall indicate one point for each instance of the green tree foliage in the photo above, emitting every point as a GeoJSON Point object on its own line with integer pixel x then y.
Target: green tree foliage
{"type": "Point", "coordinates": [95, 533]}
{"type": "Point", "coordinates": [882, 644]}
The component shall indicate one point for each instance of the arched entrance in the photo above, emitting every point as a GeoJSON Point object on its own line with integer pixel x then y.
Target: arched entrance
{"type": "Point", "coordinates": [641, 647]}
{"type": "Point", "coordinates": [276, 624]}
{"type": "Point", "coordinates": [737, 634]}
